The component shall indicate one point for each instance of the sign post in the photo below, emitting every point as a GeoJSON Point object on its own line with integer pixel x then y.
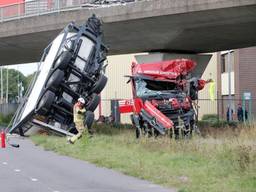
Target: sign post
{"type": "Point", "coordinates": [247, 96]}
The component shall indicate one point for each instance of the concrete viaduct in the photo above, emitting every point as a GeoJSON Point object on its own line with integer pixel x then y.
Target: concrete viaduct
{"type": "Point", "coordinates": [191, 26]}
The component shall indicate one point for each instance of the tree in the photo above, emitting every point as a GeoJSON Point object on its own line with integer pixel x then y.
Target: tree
{"type": "Point", "coordinates": [29, 79]}
{"type": "Point", "coordinates": [15, 77]}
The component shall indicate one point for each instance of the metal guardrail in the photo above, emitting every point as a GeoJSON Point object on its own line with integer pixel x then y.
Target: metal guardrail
{"type": "Point", "coordinates": [40, 7]}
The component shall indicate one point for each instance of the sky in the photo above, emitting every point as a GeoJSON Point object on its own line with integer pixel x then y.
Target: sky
{"type": "Point", "coordinates": [26, 69]}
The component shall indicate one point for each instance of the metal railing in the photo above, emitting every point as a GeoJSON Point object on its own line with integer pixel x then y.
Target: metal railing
{"type": "Point", "coordinates": [39, 7]}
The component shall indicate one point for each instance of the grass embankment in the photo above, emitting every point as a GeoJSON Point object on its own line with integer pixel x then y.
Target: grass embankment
{"type": "Point", "coordinates": [5, 120]}
{"type": "Point", "coordinates": [200, 164]}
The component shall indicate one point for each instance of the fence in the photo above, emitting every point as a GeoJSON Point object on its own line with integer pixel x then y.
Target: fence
{"type": "Point", "coordinates": [218, 107]}
{"type": "Point", "coordinates": [10, 108]}
{"type": "Point", "coordinates": [38, 7]}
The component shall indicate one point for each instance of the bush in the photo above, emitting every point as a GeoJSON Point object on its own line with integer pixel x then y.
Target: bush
{"type": "Point", "coordinates": [210, 117]}
{"type": "Point", "coordinates": [220, 123]}
{"type": "Point", "coordinates": [5, 119]}
{"type": "Point", "coordinates": [209, 120]}
{"type": "Point", "coordinates": [212, 120]}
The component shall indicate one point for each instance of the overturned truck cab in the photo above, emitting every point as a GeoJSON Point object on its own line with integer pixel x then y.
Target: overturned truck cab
{"type": "Point", "coordinates": [164, 95]}
{"type": "Point", "coordinates": [72, 66]}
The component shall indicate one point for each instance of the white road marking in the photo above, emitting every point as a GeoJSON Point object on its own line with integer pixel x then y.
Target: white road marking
{"type": "Point", "coordinates": [17, 170]}
{"type": "Point", "coordinates": [34, 179]}
{"type": "Point", "coordinates": [152, 185]}
{"type": "Point", "coordinates": [56, 191]}
{"type": "Point", "coordinates": [5, 163]}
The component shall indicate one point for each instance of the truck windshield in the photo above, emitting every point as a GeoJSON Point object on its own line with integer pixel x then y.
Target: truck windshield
{"type": "Point", "coordinates": [153, 88]}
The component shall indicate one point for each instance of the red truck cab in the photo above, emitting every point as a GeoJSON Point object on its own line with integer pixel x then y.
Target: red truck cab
{"type": "Point", "coordinates": [163, 95]}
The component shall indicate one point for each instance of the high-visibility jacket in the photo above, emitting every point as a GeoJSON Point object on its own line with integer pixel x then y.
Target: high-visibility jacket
{"type": "Point", "coordinates": [212, 90]}
{"type": "Point", "coordinates": [78, 113]}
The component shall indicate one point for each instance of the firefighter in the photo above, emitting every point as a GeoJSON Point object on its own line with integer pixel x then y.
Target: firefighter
{"type": "Point", "coordinates": [78, 114]}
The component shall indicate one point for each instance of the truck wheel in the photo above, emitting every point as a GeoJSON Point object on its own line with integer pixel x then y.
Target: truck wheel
{"type": "Point", "coordinates": [171, 133]}
{"type": "Point", "coordinates": [54, 80]}
{"type": "Point", "coordinates": [63, 60]}
{"type": "Point", "coordinates": [146, 129]}
{"type": "Point", "coordinates": [153, 132]}
{"type": "Point", "coordinates": [138, 132]}
{"type": "Point", "coordinates": [93, 102]}
{"type": "Point", "coordinates": [176, 133]}
{"type": "Point", "coordinates": [88, 119]}
{"type": "Point", "coordinates": [45, 102]}
{"type": "Point", "coordinates": [187, 132]}
{"type": "Point", "coordinates": [100, 84]}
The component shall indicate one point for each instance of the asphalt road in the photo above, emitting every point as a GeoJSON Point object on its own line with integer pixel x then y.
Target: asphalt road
{"type": "Point", "coordinates": [31, 169]}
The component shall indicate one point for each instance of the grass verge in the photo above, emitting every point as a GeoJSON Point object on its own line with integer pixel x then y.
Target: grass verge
{"type": "Point", "coordinates": [200, 164]}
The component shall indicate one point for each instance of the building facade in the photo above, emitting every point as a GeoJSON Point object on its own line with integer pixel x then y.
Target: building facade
{"type": "Point", "coordinates": [242, 75]}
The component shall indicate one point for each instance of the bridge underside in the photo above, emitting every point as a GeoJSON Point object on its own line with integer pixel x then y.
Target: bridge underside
{"type": "Point", "coordinates": [197, 31]}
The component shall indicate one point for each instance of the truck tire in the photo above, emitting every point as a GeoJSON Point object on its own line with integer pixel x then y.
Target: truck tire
{"type": "Point", "coordinates": [63, 60]}
{"type": "Point", "coordinates": [93, 102]}
{"type": "Point", "coordinates": [138, 132]}
{"type": "Point", "coordinates": [100, 84]}
{"type": "Point", "coordinates": [54, 80]}
{"type": "Point", "coordinates": [88, 119]}
{"type": "Point", "coordinates": [44, 104]}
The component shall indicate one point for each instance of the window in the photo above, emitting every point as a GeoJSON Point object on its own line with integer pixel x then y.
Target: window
{"type": "Point", "coordinates": [224, 62]}
{"type": "Point", "coordinates": [146, 87]}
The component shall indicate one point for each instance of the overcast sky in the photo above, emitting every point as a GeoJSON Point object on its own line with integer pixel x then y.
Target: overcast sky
{"type": "Point", "coordinates": [26, 69]}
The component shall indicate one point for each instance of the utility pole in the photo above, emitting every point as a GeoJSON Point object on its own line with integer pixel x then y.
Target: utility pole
{"type": "Point", "coordinates": [2, 90]}
{"type": "Point", "coordinates": [18, 85]}
{"type": "Point", "coordinates": [229, 87]}
{"type": "Point", "coordinates": [7, 85]}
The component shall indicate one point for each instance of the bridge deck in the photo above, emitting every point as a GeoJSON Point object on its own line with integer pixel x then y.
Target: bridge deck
{"type": "Point", "coordinates": [166, 25]}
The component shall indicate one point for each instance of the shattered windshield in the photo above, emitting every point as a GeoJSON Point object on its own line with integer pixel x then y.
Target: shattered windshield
{"type": "Point", "coordinates": [153, 88]}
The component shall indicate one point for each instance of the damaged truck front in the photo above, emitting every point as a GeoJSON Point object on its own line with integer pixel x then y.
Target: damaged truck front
{"type": "Point", "coordinates": [72, 66]}
{"type": "Point", "coordinates": [164, 95]}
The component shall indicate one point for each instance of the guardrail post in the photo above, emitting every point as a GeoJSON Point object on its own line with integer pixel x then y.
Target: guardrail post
{"type": "Point", "coordinates": [38, 12]}
{"type": "Point", "coordinates": [18, 6]}
{"type": "Point", "coordinates": [58, 5]}
{"type": "Point", "coordinates": [1, 14]}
